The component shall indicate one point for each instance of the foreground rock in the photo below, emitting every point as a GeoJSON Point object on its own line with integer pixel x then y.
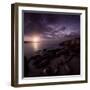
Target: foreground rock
{"type": "Point", "coordinates": [61, 61]}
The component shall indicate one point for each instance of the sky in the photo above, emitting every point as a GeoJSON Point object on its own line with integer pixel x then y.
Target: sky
{"type": "Point", "coordinates": [50, 25]}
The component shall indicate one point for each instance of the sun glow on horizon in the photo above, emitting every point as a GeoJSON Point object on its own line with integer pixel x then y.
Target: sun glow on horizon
{"type": "Point", "coordinates": [36, 39]}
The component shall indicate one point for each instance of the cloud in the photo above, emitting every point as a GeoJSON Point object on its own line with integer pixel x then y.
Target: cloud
{"type": "Point", "coordinates": [51, 26]}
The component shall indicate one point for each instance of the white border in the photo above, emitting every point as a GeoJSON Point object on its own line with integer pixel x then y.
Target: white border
{"type": "Point", "coordinates": [52, 78]}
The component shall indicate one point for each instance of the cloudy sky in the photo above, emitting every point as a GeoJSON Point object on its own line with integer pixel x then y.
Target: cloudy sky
{"type": "Point", "coordinates": [50, 25]}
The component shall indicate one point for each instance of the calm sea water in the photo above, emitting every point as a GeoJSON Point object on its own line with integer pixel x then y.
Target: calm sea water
{"type": "Point", "coordinates": [31, 48]}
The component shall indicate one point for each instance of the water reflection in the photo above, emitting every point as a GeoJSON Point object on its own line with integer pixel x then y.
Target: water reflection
{"type": "Point", "coordinates": [32, 47]}
{"type": "Point", "coordinates": [35, 46]}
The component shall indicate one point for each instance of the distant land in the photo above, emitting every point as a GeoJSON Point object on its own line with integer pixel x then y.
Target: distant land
{"type": "Point", "coordinates": [30, 42]}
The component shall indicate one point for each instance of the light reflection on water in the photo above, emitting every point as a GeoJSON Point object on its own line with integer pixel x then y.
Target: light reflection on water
{"type": "Point", "coordinates": [31, 48]}
{"type": "Point", "coordinates": [35, 46]}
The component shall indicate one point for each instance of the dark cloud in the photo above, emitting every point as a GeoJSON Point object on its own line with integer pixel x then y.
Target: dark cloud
{"type": "Point", "coordinates": [51, 26]}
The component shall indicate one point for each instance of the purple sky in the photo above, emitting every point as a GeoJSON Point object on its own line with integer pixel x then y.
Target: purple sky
{"type": "Point", "coordinates": [51, 26]}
